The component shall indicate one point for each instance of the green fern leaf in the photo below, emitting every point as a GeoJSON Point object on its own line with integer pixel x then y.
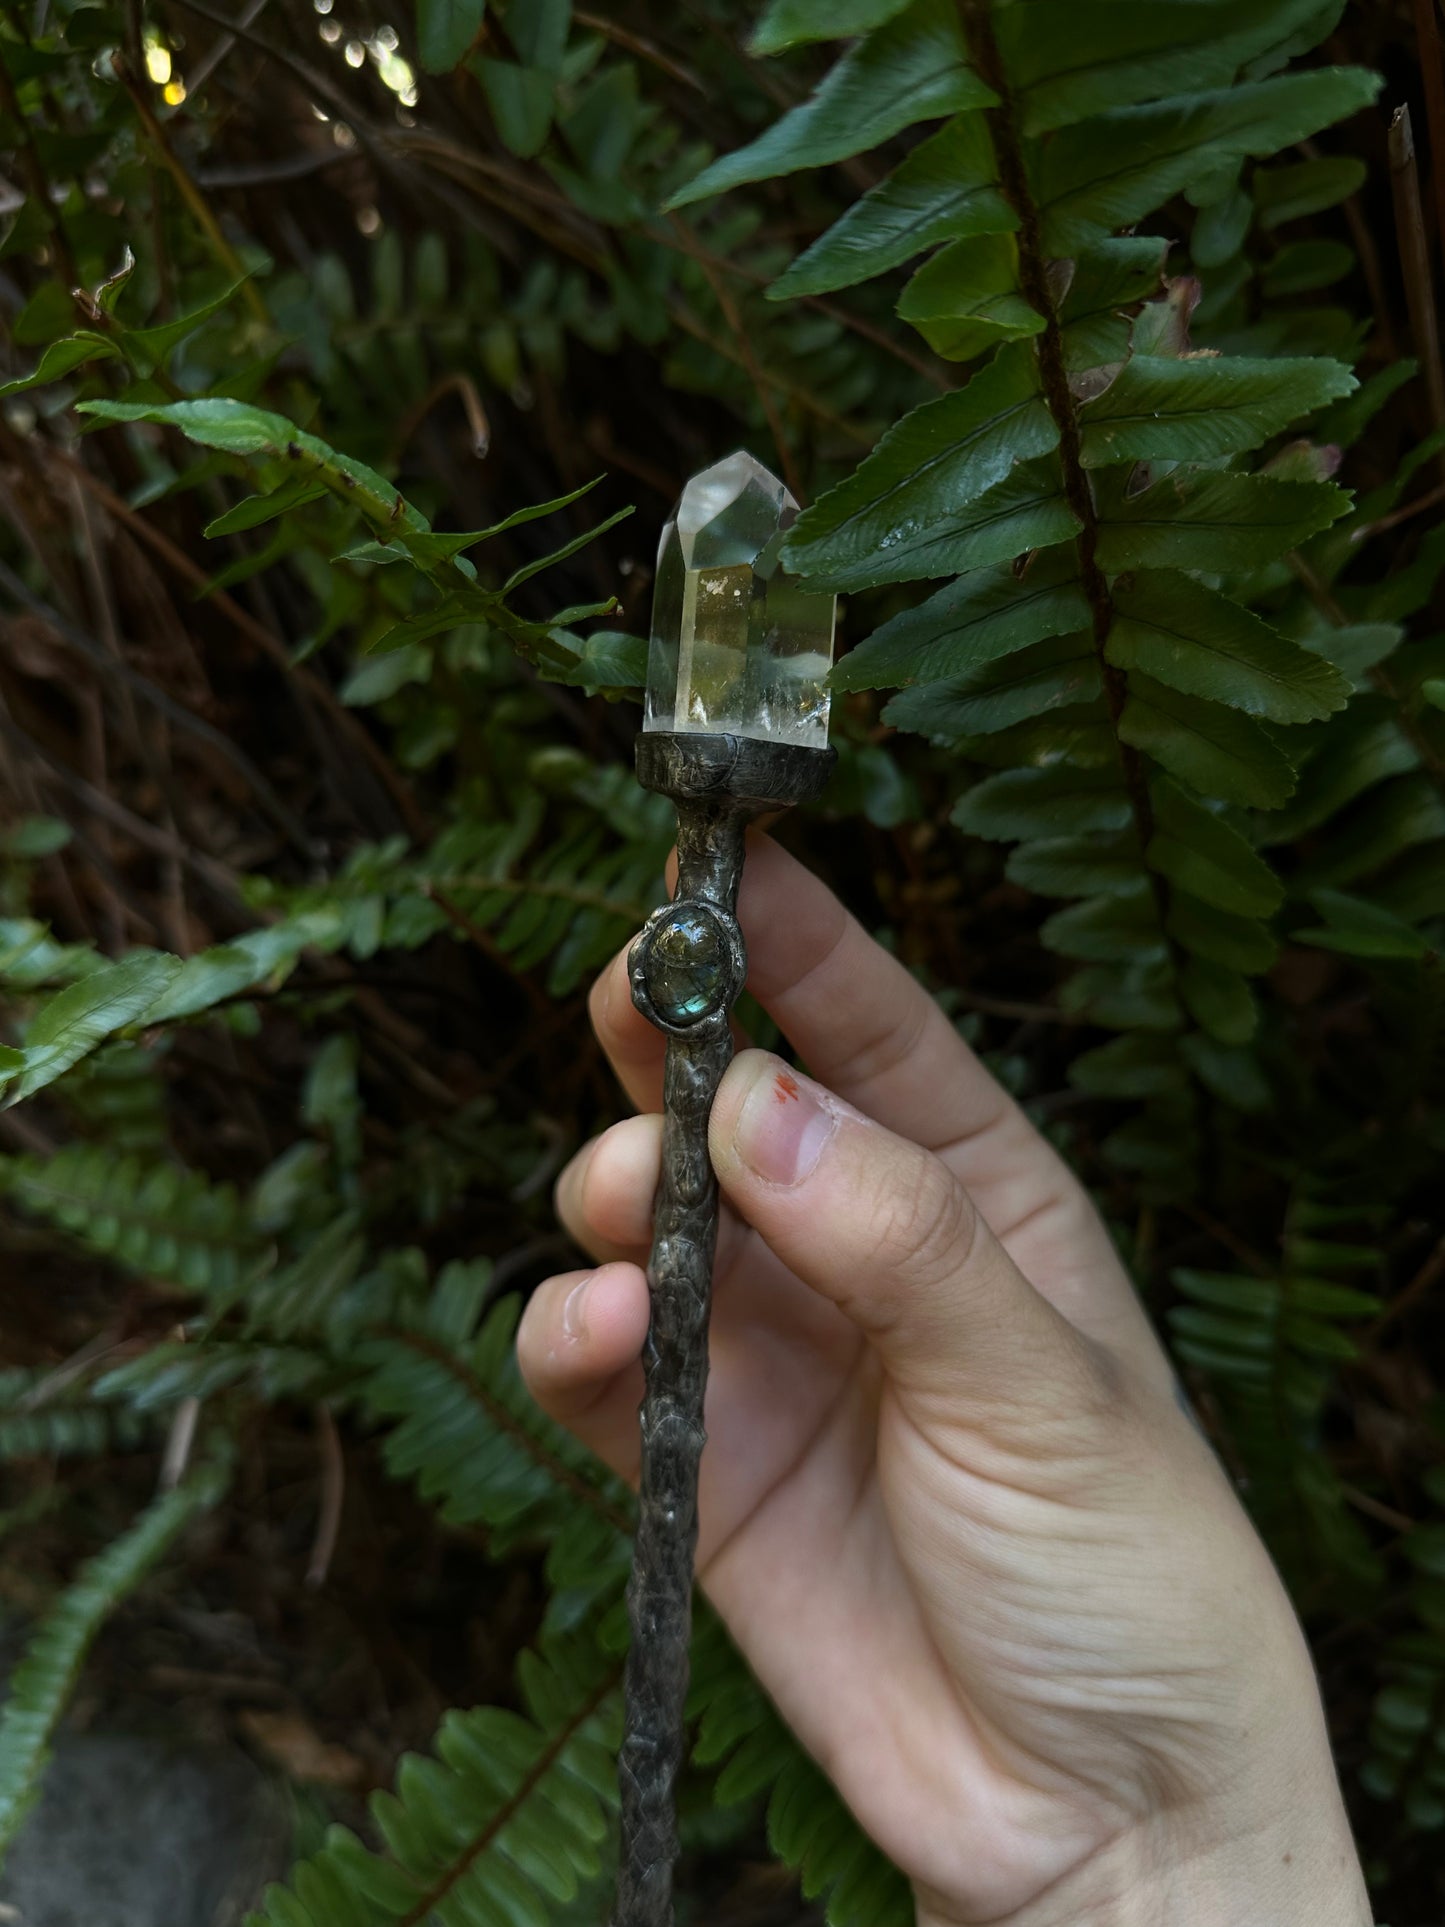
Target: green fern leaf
{"type": "Point", "coordinates": [56, 1650]}
{"type": "Point", "coordinates": [913, 68]}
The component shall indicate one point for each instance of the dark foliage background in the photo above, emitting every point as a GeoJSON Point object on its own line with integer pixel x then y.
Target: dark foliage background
{"type": "Point", "coordinates": [269, 1214]}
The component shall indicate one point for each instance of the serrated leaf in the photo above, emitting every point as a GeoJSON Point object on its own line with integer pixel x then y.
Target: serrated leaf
{"type": "Point", "coordinates": [1220, 229]}
{"type": "Point", "coordinates": [1230, 1072]}
{"type": "Point", "coordinates": [1304, 266]}
{"type": "Point", "coordinates": [1199, 642]}
{"type": "Point", "coordinates": [82, 1015]}
{"type": "Point", "coordinates": [915, 67]}
{"type": "Point", "coordinates": [1076, 866]}
{"type": "Point", "coordinates": [1108, 278]}
{"type": "Point", "coordinates": [1360, 929]}
{"type": "Point", "coordinates": [1307, 187]}
{"type": "Point", "coordinates": [1364, 747]}
{"type": "Point", "coordinates": [1025, 511]}
{"type": "Point", "coordinates": [1398, 817]}
{"type": "Point", "coordinates": [1357, 648]}
{"type": "Point", "coordinates": [1044, 803]}
{"type": "Point", "coordinates": [1215, 750]}
{"type": "Point", "coordinates": [978, 617]}
{"type": "Point", "coordinates": [1239, 943]}
{"type": "Point", "coordinates": [1139, 1064]}
{"type": "Point", "coordinates": [1082, 737]}
{"type": "Point", "coordinates": [1066, 62]}
{"type": "Point", "coordinates": [944, 191]}
{"type": "Point", "coordinates": [1135, 996]}
{"type": "Point", "coordinates": [1206, 519]}
{"type": "Point", "coordinates": [1219, 999]}
{"type": "Point", "coordinates": [1191, 408]}
{"type": "Point", "coordinates": [795, 23]}
{"type": "Point", "coordinates": [1056, 673]}
{"type": "Point", "coordinates": [923, 475]}
{"type": "Point", "coordinates": [967, 298]}
{"type": "Point", "coordinates": [1123, 928]}
{"type": "Point", "coordinates": [1202, 853]}
{"type": "Point", "coordinates": [1118, 166]}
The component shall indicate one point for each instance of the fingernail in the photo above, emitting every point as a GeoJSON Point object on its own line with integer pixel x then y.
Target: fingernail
{"type": "Point", "coordinates": [783, 1125]}
{"type": "Point", "coordinates": [574, 1310]}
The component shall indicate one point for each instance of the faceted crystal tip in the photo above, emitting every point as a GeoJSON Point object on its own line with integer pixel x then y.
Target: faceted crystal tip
{"type": "Point", "coordinates": [738, 644]}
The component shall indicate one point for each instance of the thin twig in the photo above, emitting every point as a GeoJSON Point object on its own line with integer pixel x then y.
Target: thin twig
{"type": "Point", "coordinates": [634, 43]}
{"type": "Point", "coordinates": [466, 390]}
{"type": "Point", "coordinates": [1424, 1281]}
{"type": "Point", "coordinates": [179, 1442]}
{"type": "Point", "coordinates": [219, 50]}
{"type": "Point", "coordinates": [345, 723]}
{"type": "Point", "coordinates": [749, 360]}
{"type": "Point", "coordinates": [165, 705]}
{"type": "Point", "coordinates": [1427, 40]}
{"type": "Point", "coordinates": [333, 1491]}
{"type": "Point", "coordinates": [1415, 261]}
{"type": "Point", "coordinates": [189, 192]}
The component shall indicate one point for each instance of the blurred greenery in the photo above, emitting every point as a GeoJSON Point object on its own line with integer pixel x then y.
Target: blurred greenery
{"type": "Point", "coordinates": [354, 353]}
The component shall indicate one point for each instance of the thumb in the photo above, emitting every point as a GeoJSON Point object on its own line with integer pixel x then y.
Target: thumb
{"type": "Point", "coordinates": [883, 1229]}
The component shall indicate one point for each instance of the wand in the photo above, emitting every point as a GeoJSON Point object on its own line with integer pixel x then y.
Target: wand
{"type": "Point", "coordinates": [736, 727]}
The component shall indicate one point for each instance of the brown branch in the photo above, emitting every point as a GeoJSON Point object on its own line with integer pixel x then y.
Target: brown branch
{"type": "Point", "coordinates": [1414, 249]}
{"type": "Point", "coordinates": [634, 43]}
{"type": "Point", "coordinates": [1423, 1282]}
{"type": "Point", "coordinates": [1427, 40]}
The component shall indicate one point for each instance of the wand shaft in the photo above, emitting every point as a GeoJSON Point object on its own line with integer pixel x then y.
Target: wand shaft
{"type": "Point", "coordinates": [679, 1276]}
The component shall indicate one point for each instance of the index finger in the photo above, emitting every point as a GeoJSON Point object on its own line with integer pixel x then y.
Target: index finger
{"type": "Point", "coordinates": [862, 1024]}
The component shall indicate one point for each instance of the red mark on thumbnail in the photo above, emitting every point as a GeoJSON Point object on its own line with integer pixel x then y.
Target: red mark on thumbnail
{"type": "Point", "coordinates": [786, 1087]}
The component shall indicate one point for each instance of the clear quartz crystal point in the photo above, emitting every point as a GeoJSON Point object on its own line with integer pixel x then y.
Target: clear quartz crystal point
{"type": "Point", "coordinates": [737, 643]}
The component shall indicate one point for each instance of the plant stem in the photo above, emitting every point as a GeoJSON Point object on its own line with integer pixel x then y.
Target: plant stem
{"type": "Point", "coordinates": [1059, 400]}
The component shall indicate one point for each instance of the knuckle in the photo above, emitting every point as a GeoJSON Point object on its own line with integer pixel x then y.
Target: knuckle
{"type": "Point", "coordinates": [929, 1222]}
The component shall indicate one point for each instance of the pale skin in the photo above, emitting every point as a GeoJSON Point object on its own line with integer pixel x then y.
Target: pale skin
{"type": "Point", "coordinates": [951, 1506]}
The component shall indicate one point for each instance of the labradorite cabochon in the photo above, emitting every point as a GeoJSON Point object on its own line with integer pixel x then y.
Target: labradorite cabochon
{"type": "Point", "coordinates": [687, 965]}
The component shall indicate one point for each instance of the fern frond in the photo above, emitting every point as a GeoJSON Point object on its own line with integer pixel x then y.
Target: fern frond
{"type": "Point", "coordinates": [1273, 1349]}
{"type": "Point", "coordinates": [55, 1651]}
{"type": "Point", "coordinates": [465, 1430]}
{"type": "Point", "coordinates": [572, 900]}
{"type": "Point", "coordinates": [35, 1425]}
{"type": "Point", "coordinates": [808, 1825]}
{"type": "Point", "coordinates": [158, 1220]}
{"type": "Point", "coordinates": [505, 1820]}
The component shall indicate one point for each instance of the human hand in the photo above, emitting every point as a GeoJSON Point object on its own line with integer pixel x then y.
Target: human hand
{"type": "Point", "coordinates": [952, 1507]}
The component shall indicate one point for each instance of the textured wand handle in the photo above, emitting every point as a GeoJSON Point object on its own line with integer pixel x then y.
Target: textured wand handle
{"type": "Point", "coordinates": [687, 968]}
